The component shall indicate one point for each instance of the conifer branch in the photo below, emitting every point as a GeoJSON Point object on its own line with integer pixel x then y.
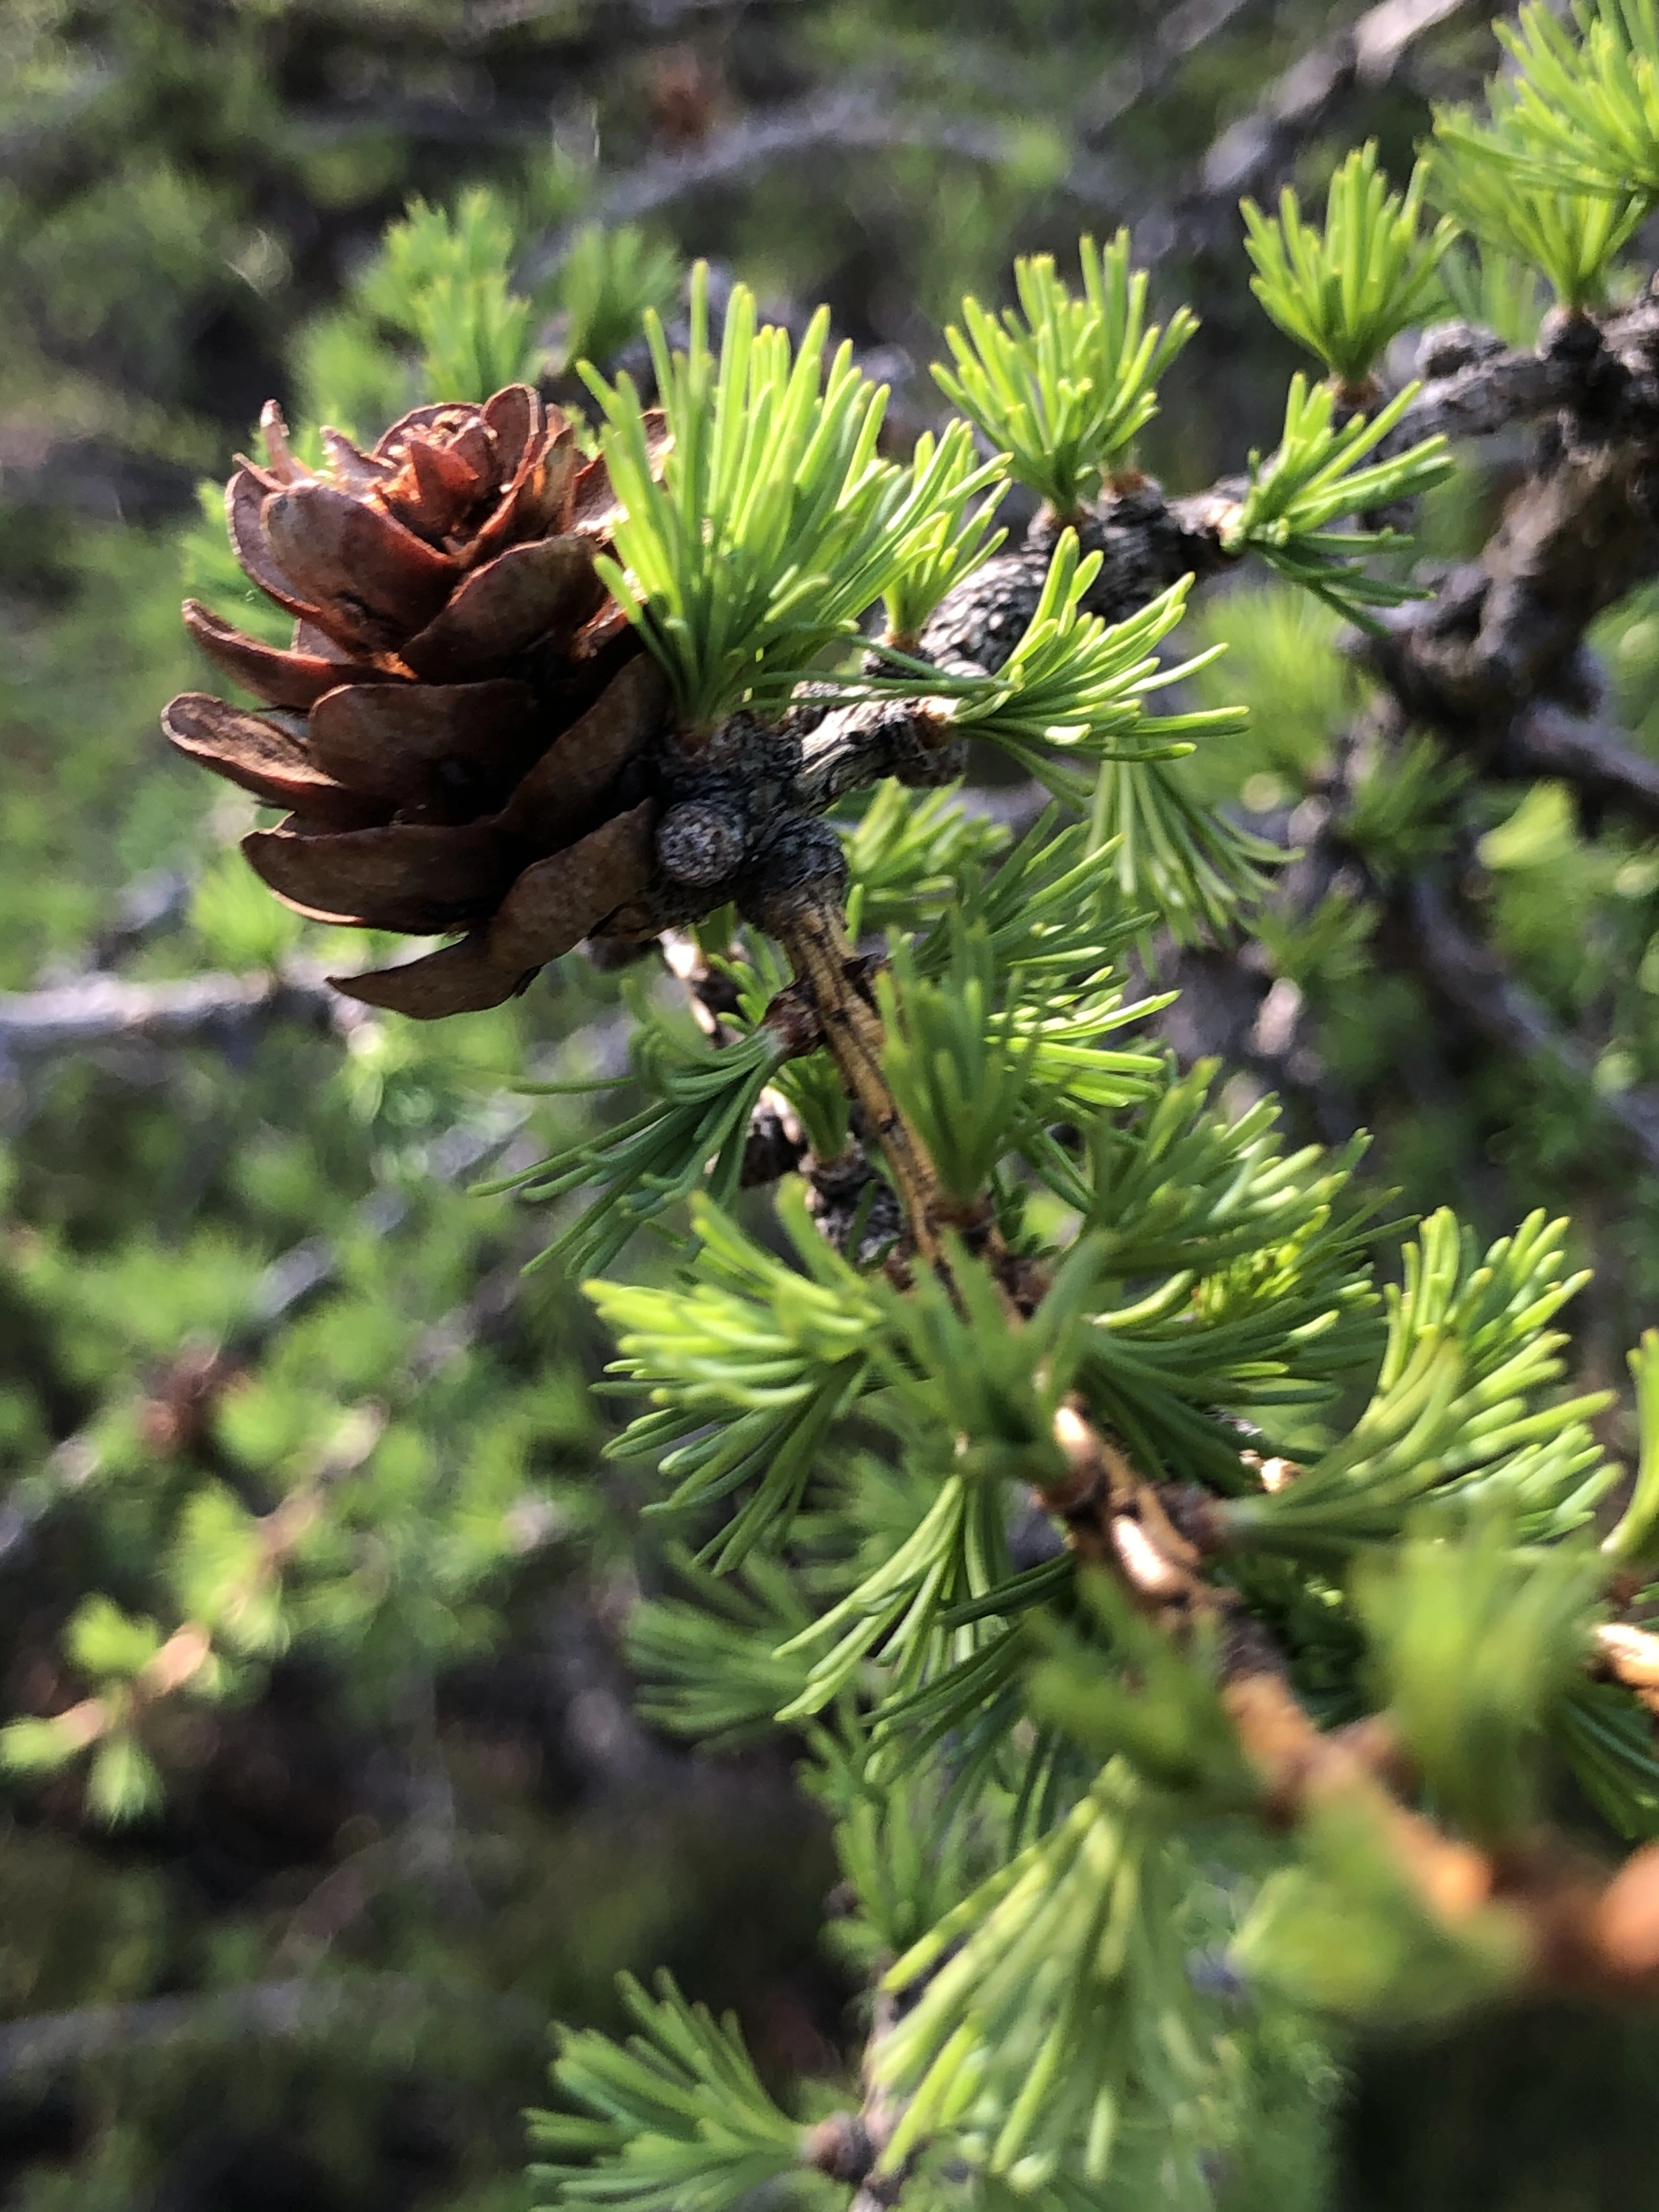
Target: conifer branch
{"type": "Point", "coordinates": [1255, 151]}
{"type": "Point", "coordinates": [1601, 762]}
{"type": "Point", "coordinates": [853, 121]}
{"type": "Point", "coordinates": [1056, 1272]}
{"type": "Point", "coordinates": [1249, 156]}
{"type": "Point", "coordinates": [285, 1285]}
{"type": "Point", "coordinates": [187, 1653]}
{"type": "Point", "coordinates": [229, 1569]}
{"type": "Point", "coordinates": [1474, 386]}
{"type": "Point", "coordinates": [1505, 631]}
{"type": "Point", "coordinates": [849, 2147]}
{"type": "Point", "coordinates": [1574, 1930]}
{"type": "Point", "coordinates": [851, 747]}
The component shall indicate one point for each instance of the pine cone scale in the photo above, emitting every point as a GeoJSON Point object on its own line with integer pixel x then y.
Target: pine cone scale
{"type": "Point", "coordinates": [452, 750]}
{"type": "Point", "coordinates": [551, 907]}
{"type": "Point", "coordinates": [418, 877]}
{"type": "Point", "coordinates": [280, 678]}
{"type": "Point", "coordinates": [543, 590]}
{"type": "Point", "coordinates": [554, 903]}
{"type": "Point", "coordinates": [258, 753]}
{"type": "Point", "coordinates": [459, 979]}
{"type": "Point", "coordinates": [365, 579]}
{"type": "Point", "coordinates": [559, 796]}
{"type": "Point", "coordinates": [244, 501]}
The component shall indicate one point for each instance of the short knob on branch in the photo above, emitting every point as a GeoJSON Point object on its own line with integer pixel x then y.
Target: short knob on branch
{"type": "Point", "coordinates": [700, 844]}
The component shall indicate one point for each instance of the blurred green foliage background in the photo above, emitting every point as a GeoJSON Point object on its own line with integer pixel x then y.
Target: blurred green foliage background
{"type": "Point", "coordinates": [415, 1817]}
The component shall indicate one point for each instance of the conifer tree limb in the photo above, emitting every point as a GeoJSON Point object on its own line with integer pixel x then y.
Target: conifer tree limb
{"type": "Point", "coordinates": [1246, 157]}
{"type": "Point", "coordinates": [1474, 385]}
{"type": "Point", "coordinates": [186, 1653]}
{"type": "Point", "coordinates": [1491, 661]}
{"type": "Point", "coordinates": [196, 1372]}
{"type": "Point", "coordinates": [295, 2010]}
{"type": "Point", "coordinates": [851, 747]}
{"type": "Point", "coordinates": [1599, 762]}
{"type": "Point", "coordinates": [194, 1650]}
{"type": "Point", "coordinates": [1264, 142]}
{"type": "Point", "coordinates": [1145, 542]}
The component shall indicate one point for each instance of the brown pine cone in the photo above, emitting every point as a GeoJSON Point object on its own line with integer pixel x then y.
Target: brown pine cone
{"type": "Point", "coordinates": [461, 727]}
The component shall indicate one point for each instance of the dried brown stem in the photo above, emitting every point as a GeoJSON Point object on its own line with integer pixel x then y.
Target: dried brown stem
{"type": "Point", "coordinates": [813, 934]}
{"type": "Point", "coordinates": [1630, 1656]}
{"type": "Point", "coordinates": [849, 2145]}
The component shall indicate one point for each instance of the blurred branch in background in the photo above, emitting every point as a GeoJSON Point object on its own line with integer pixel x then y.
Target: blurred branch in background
{"type": "Point", "coordinates": [301, 2010]}
{"type": "Point", "coordinates": [104, 1009]}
